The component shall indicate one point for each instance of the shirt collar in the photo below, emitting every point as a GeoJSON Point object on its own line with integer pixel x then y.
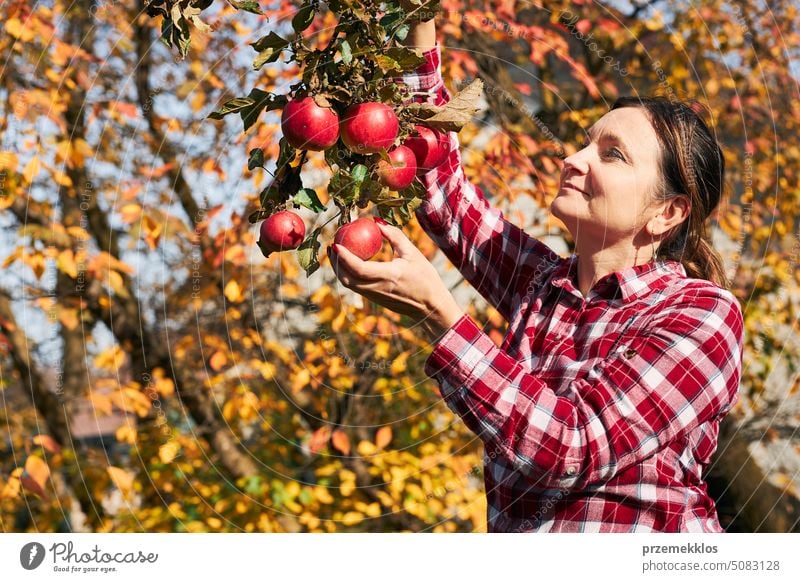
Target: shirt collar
{"type": "Point", "coordinates": [630, 283]}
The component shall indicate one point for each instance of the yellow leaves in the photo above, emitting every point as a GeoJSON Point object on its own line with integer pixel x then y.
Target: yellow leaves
{"type": "Point", "coordinates": [300, 380]}
{"type": "Point", "coordinates": [110, 359]}
{"type": "Point", "coordinates": [73, 152]}
{"type": "Point", "coordinates": [168, 451]}
{"type": "Point", "coordinates": [399, 364]}
{"type": "Point", "coordinates": [101, 403]}
{"type": "Point", "coordinates": [122, 479]}
{"type": "Point", "coordinates": [66, 263]}
{"type": "Point", "coordinates": [35, 476]}
{"type": "Point", "coordinates": [323, 495]}
{"type": "Point", "coordinates": [338, 322]}
{"type": "Point", "coordinates": [127, 434]}
{"type": "Point", "coordinates": [163, 385]}
{"type": "Point", "coordinates": [13, 486]}
{"type": "Point", "coordinates": [32, 169]}
{"type": "Point", "coordinates": [131, 400]}
{"type": "Point", "coordinates": [233, 292]}
{"type": "Point", "coordinates": [130, 213]}
{"type": "Point", "coordinates": [266, 369]}
{"type": "Point", "coordinates": [8, 161]}
{"type": "Point", "coordinates": [348, 482]}
{"type": "Point", "coordinates": [341, 441]}
{"type": "Point", "coordinates": [18, 30]}
{"type": "Point", "coordinates": [366, 449]}
{"type": "Point", "coordinates": [352, 518]}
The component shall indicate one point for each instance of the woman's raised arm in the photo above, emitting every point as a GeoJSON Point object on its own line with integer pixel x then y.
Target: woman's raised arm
{"type": "Point", "coordinates": [495, 256]}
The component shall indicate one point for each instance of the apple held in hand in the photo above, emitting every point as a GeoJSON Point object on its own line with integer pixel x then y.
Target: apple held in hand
{"type": "Point", "coordinates": [362, 237]}
{"type": "Point", "coordinates": [282, 231]}
{"type": "Point", "coordinates": [430, 146]}
{"type": "Point", "coordinates": [367, 128]}
{"type": "Point", "coordinates": [307, 126]}
{"type": "Point", "coordinates": [399, 172]}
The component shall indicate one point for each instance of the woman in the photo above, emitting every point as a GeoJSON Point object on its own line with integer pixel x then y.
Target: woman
{"type": "Point", "coordinates": [601, 409]}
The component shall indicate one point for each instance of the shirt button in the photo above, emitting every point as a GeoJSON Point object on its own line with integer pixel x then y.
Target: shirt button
{"type": "Point", "coordinates": [571, 471]}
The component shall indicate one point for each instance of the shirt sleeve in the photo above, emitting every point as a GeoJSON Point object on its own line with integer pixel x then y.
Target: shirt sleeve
{"type": "Point", "coordinates": [681, 371]}
{"type": "Point", "coordinates": [496, 257]}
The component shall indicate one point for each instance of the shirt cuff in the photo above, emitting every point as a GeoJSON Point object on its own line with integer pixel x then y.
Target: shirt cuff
{"type": "Point", "coordinates": [428, 76]}
{"type": "Point", "coordinates": [458, 353]}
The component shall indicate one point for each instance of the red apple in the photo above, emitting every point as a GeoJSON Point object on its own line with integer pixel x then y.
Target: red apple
{"type": "Point", "coordinates": [367, 128]}
{"type": "Point", "coordinates": [282, 231]}
{"type": "Point", "coordinates": [400, 171]}
{"type": "Point", "coordinates": [430, 146]}
{"type": "Point", "coordinates": [307, 126]}
{"type": "Point", "coordinates": [362, 237]}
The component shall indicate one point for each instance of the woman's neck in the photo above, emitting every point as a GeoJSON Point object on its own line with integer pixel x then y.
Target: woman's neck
{"type": "Point", "coordinates": [594, 265]}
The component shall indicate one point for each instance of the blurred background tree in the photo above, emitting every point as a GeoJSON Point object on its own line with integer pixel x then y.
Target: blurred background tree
{"type": "Point", "coordinates": [158, 374]}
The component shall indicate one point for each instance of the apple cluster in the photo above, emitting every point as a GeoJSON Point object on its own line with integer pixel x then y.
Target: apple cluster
{"type": "Point", "coordinates": [364, 128]}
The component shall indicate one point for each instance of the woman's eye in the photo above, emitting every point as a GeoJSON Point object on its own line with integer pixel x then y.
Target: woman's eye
{"type": "Point", "coordinates": [615, 153]}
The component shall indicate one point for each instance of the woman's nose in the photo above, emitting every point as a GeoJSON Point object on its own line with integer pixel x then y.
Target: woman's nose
{"type": "Point", "coordinates": [577, 163]}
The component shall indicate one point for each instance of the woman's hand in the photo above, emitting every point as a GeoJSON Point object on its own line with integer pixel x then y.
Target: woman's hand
{"type": "Point", "coordinates": [408, 285]}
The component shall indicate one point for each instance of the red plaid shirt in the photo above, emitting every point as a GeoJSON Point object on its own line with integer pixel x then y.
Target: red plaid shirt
{"type": "Point", "coordinates": [597, 413]}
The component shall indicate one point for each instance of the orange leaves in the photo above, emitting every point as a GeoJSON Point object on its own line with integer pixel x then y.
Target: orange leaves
{"type": "Point", "coordinates": [319, 439]}
{"type": "Point", "coordinates": [341, 441]}
{"type": "Point", "coordinates": [383, 437]}
{"type": "Point", "coordinates": [74, 152]}
{"type": "Point", "coordinates": [154, 173]}
{"type": "Point", "coordinates": [47, 442]}
{"type": "Point", "coordinates": [152, 231]}
{"type": "Point", "coordinates": [126, 109]}
{"type": "Point", "coordinates": [218, 360]}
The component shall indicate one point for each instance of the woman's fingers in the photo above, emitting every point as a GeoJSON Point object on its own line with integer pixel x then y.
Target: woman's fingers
{"type": "Point", "coordinates": [399, 241]}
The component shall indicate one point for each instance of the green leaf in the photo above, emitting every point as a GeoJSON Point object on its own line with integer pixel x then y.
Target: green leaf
{"type": "Point", "coordinates": [402, 32]}
{"type": "Point", "coordinates": [307, 253]}
{"type": "Point", "coordinates": [256, 159]}
{"type": "Point", "coordinates": [347, 53]}
{"type": "Point", "coordinates": [270, 195]}
{"type": "Point", "coordinates": [287, 153]}
{"type": "Point", "coordinates": [303, 18]}
{"type": "Point", "coordinates": [308, 198]}
{"type": "Point", "coordinates": [231, 106]}
{"type": "Point", "coordinates": [247, 5]}
{"type": "Point", "coordinates": [261, 100]}
{"type": "Point", "coordinates": [358, 173]}
{"type": "Point", "coordinates": [272, 40]}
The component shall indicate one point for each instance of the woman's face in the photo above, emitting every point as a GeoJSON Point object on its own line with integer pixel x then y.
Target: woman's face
{"type": "Point", "coordinates": [607, 188]}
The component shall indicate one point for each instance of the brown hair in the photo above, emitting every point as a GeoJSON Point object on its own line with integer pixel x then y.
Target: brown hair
{"type": "Point", "coordinates": [692, 164]}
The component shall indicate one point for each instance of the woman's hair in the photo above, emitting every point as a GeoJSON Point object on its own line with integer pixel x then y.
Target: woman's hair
{"type": "Point", "coordinates": [692, 164]}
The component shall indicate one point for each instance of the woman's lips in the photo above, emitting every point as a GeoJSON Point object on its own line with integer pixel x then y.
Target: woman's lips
{"type": "Point", "coordinates": [573, 187]}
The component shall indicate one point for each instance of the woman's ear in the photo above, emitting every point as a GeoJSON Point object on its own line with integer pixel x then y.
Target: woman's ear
{"type": "Point", "coordinates": [673, 212]}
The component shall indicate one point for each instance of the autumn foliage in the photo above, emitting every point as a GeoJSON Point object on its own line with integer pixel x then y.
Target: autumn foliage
{"type": "Point", "coordinates": [252, 393]}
